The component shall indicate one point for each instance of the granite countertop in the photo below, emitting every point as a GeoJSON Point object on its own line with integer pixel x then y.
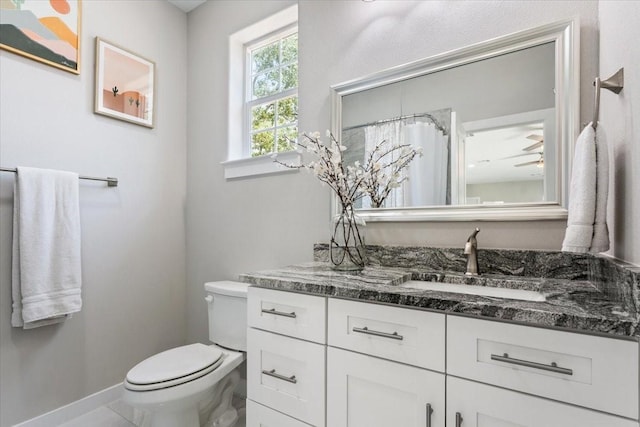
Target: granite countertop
{"type": "Point", "coordinates": [575, 304]}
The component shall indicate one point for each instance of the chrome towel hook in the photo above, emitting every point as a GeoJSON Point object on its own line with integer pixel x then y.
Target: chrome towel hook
{"type": "Point", "coordinates": [614, 83]}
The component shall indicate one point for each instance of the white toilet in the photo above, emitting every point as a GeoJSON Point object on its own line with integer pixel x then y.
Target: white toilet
{"type": "Point", "coordinates": [192, 385]}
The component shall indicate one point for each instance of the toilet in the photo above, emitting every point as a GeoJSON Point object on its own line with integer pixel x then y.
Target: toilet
{"type": "Point", "coordinates": [192, 385]}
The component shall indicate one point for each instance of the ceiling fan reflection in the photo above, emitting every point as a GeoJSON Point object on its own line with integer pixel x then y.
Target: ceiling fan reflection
{"type": "Point", "coordinates": [539, 163]}
{"type": "Point", "coordinates": [539, 144]}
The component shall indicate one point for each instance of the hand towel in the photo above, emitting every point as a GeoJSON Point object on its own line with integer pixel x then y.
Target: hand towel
{"type": "Point", "coordinates": [600, 240]}
{"type": "Point", "coordinates": [46, 276]}
{"type": "Point", "coordinates": [586, 224]}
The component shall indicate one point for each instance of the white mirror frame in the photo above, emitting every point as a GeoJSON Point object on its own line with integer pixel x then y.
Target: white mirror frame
{"type": "Point", "coordinates": [565, 34]}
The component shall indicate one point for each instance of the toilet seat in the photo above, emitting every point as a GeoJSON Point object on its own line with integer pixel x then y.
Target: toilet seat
{"type": "Point", "coordinates": [174, 367]}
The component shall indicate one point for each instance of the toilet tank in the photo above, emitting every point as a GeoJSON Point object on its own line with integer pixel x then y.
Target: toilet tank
{"type": "Point", "coordinates": [227, 303]}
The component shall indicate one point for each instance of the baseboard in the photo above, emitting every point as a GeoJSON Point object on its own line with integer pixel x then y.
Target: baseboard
{"type": "Point", "coordinates": [75, 409]}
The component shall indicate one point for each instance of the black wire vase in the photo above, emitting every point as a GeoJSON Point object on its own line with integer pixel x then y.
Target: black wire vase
{"type": "Point", "coordinates": [347, 249]}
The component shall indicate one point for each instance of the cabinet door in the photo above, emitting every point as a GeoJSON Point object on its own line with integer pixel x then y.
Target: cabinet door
{"type": "Point", "coordinates": [471, 404]}
{"type": "Point", "coordinates": [364, 391]}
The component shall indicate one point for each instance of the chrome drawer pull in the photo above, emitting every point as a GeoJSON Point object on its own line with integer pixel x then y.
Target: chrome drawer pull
{"type": "Point", "coordinates": [553, 367]}
{"type": "Point", "coordinates": [458, 419]}
{"type": "Point", "coordinates": [279, 313]}
{"type": "Point", "coordinates": [272, 373]}
{"type": "Point", "coordinates": [366, 330]}
{"type": "Point", "coordinates": [429, 412]}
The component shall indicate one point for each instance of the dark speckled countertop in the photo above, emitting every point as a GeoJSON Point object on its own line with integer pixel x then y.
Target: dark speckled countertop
{"type": "Point", "coordinates": [584, 293]}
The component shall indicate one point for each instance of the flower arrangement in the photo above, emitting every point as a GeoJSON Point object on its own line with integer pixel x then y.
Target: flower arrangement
{"type": "Point", "coordinates": [376, 177]}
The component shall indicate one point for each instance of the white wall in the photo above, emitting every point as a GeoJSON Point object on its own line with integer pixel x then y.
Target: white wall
{"type": "Point", "coordinates": [133, 236]}
{"type": "Point", "coordinates": [507, 191]}
{"type": "Point", "coordinates": [620, 117]}
{"type": "Point", "coordinates": [247, 224]}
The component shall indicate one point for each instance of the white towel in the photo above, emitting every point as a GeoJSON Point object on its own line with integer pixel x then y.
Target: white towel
{"type": "Point", "coordinates": [586, 225]}
{"type": "Point", "coordinates": [600, 241]}
{"type": "Point", "coordinates": [46, 276]}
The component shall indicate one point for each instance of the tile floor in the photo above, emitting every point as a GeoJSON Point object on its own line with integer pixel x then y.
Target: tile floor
{"type": "Point", "coordinates": [115, 414]}
{"type": "Point", "coordinates": [104, 416]}
{"type": "Point", "coordinates": [118, 414]}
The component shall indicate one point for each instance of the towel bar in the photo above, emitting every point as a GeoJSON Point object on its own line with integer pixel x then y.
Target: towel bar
{"type": "Point", "coordinates": [614, 83]}
{"type": "Point", "coordinates": [111, 181]}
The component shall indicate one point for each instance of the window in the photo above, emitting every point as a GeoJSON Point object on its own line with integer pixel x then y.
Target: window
{"type": "Point", "coordinates": [263, 96]}
{"type": "Point", "coordinates": [272, 94]}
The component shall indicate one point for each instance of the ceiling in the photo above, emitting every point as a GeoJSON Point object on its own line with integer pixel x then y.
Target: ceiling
{"type": "Point", "coordinates": [187, 5]}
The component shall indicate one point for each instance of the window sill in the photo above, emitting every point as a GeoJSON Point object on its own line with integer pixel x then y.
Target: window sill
{"type": "Point", "coordinates": [263, 165]}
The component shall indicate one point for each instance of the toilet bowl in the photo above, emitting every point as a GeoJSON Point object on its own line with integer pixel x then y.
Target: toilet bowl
{"type": "Point", "coordinates": [192, 385]}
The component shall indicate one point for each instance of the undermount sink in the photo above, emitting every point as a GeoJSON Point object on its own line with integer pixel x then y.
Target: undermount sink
{"type": "Point", "coordinates": [486, 291]}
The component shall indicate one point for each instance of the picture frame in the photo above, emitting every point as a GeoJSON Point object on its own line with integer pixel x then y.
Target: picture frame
{"type": "Point", "coordinates": [45, 31]}
{"type": "Point", "coordinates": [124, 84]}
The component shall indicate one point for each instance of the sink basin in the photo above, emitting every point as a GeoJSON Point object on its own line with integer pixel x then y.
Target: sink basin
{"type": "Point", "coordinates": [486, 291]}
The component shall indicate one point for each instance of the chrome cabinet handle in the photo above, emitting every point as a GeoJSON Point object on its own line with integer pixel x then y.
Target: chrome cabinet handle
{"type": "Point", "coordinates": [458, 419]}
{"type": "Point", "coordinates": [272, 373]}
{"type": "Point", "coordinates": [553, 367]}
{"type": "Point", "coordinates": [429, 412]}
{"type": "Point", "coordinates": [368, 331]}
{"type": "Point", "coordinates": [279, 313]}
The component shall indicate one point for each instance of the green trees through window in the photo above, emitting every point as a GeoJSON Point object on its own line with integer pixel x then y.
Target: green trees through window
{"type": "Point", "coordinates": [273, 97]}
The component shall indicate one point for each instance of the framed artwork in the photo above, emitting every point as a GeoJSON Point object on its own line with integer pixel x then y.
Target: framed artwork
{"type": "Point", "coordinates": [125, 84]}
{"type": "Point", "coordinates": [47, 31]}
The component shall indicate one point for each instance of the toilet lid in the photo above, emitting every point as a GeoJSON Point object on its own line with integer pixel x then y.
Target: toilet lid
{"type": "Point", "coordinates": [174, 367]}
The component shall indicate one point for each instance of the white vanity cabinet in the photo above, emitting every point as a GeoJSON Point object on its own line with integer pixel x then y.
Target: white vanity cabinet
{"type": "Point", "coordinates": [286, 357]}
{"type": "Point", "coordinates": [326, 362]}
{"type": "Point", "coordinates": [368, 391]}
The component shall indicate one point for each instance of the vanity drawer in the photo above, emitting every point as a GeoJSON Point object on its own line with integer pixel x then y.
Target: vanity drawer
{"type": "Point", "coordinates": [408, 336]}
{"type": "Point", "coordinates": [595, 372]}
{"type": "Point", "coordinates": [261, 416]}
{"type": "Point", "coordinates": [296, 315]}
{"type": "Point", "coordinates": [287, 375]}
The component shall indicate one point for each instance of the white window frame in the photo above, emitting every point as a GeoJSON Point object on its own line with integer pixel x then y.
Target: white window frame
{"type": "Point", "coordinates": [239, 162]}
{"type": "Point", "coordinates": [250, 103]}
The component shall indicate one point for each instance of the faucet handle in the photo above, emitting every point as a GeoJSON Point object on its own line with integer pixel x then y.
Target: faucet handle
{"type": "Point", "coordinates": [474, 234]}
{"type": "Point", "coordinates": [468, 247]}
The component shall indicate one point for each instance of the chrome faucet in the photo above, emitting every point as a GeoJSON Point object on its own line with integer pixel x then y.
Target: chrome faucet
{"type": "Point", "coordinates": [471, 250]}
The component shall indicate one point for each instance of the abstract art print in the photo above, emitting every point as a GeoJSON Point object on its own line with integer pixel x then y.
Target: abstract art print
{"type": "Point", "coordinates": [125, 84]}
{"type": "Point", "coordinates": [44, 30]}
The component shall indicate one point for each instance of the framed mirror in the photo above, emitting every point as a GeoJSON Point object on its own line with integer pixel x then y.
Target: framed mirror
{"type": "Point", "coordinates": [496, 122]}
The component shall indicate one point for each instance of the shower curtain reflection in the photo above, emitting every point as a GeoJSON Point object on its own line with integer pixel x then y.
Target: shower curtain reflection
{"type": "Point", "coordinates": [428, 177]}
{"type": "Point", "coordinates": [374, 135]}
{"type": "Point", "coordinates": [428, 183]}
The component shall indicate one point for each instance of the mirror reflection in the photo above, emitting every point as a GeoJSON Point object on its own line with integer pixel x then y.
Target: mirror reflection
{"type": "Point", "coordinates": [487, 130]}
{"type": "Point", "coordinates": [505, 165]}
